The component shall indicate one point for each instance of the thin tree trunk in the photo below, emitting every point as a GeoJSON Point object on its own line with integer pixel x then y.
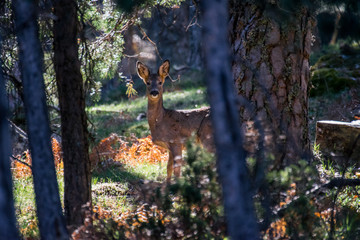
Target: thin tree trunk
{"type": "Point", "coordinates": [231, 163]}
{"type": "Point", "coordinates": [7, 212]}
{"type": "Point", "coordinates": [49, 211]}
{"type": "Point", "coordinates": [271, 71]}
{"type": "Point", "coordinates": [195, 58]}
{"type": "Point", "coordinates": [73, 116]}
{"type": "Point", "coordinates": [336, 28]}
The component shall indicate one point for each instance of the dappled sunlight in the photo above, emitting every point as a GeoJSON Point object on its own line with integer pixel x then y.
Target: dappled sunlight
{"type": "Point", "coordinates": [109, 79]}
{"type": "Point", "coordinates": [21, 166]}
{"type": "Point", "coordinates": [115, 150]}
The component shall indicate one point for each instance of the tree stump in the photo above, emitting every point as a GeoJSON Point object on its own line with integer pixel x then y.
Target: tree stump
{"type": "Point", "coordinates": [339, 141]}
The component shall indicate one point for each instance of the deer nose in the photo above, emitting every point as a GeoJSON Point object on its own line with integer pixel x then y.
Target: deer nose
{"type": "Point", "coordinates": [154, 93]}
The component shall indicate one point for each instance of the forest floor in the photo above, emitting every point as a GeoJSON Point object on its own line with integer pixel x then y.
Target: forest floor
{"type": "Point", "coordinates": [116, 186]}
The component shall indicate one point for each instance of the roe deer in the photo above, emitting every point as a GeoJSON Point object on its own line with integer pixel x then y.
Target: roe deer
{"type": "Point", "coordinates": [170, 128]}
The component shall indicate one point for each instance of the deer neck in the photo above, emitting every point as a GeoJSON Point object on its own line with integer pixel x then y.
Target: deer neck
{"type": "Point", "coordinates": [156, 112]}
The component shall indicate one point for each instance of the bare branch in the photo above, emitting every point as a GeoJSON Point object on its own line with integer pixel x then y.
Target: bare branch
{"type": "Point", "coordinates": [174, 80]}
{"type": "Point", "coordinates": [147, 37]}
{"type": "Point", "coordinates": [194, 19]}
{"type": "Point", "coordinates": [132, 56]}
{"type": "Point", "coordinates": [20, 161]}
{"type": "Point", "coordinates": [342, 182]}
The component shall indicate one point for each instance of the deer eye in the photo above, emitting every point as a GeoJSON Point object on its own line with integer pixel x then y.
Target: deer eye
{"type": "Point", "coordinates": [160, 83]}
{"type": "Point", "coordinates": [148, 83]}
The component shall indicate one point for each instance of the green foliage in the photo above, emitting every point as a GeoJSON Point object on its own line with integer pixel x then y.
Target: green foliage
{"type": "Point", "coordinates": [329, 81]}
{"type": "Point", "coordinates": [303, 174]}
{"type": "Point", "coordinates": [345, 203]}
{"type": "Point", "coordinates": [126, 174]}
{"type": "Point", "coordinates": [301, 219]}
{"type": "Point", "coordinates": [287, 193]}
{"type": "Point", "coordinates": [130, 5]}
{"type": "Point", "coordinates": [111, 196]}
{"type": "Point", "coordinates": [102, 42]}
{"type": "Point", "coordinates": [25, 207]}
{"type": "Point", "coordinates": [335, 69]}
{"type": "Point", "coordinates": [330, 60]}
{"type": "Point", "coordinates": [305, 209]}
{"type": "Point", "coordinates": [348, 220]}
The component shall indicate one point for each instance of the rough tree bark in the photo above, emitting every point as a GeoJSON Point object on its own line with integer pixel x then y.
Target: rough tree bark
{"type": "Point", "coordinates": [72, 108]}
{"type": "Point", "coordinates": [7, 212]}
{"type": "Point", "coordinates": [271, 49]}
{"type": "Point", "coordinates": [49, 211]}
{"type": "Point", "coordinates": [231, 163]}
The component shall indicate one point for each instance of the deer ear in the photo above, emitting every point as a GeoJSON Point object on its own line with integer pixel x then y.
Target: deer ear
{"type": "Point", "coordinates": [142, 71]}
{"type": "Point", "coordinates": [164, 69]}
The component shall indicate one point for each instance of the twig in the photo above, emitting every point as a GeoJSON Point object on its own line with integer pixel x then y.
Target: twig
{"type": "Point", "coordinates": [18, 130]}
{"type": "Point", "coordinates": [172, 80]}
{"type": "Point", "coordinates": [131, 56]}
{"type": "Point", "coordinates": [336, 182]}
{"type": "Point", "coordinates": [111, 33]}
{"type": "Point", "coordinates": [194, 19]}
{"type": "Point", "coordinates": [147, 37]}
{"type": "Point", "coordinates": [20, 161]}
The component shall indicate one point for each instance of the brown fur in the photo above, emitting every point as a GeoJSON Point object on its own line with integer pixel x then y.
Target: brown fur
{"type": "Point", "coordinates": [171, 128]}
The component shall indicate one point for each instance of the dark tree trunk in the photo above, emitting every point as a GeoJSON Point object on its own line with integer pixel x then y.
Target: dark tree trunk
{"type": "Point", "coordinates": [271, 71]}
{"type": "Point", "coordinates": [73, 116]}
{"type": "Point", "coordinates": [49, 212]}
{"type": "Point", "coordinates": [7, 212]}
{"type": "Point", "coordinates": [195, 58]}
{"type": "Point", "coordinates": [231, 163]}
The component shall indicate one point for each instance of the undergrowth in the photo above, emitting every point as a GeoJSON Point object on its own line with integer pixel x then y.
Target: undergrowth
{"type": "Point", "coordinates": [188, 208]}
{"type": "Point", "coordinates": [132, 201]}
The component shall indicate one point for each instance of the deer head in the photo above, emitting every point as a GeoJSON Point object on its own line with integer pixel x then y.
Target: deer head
{"type": "Point", "coordinates": [154, 82]}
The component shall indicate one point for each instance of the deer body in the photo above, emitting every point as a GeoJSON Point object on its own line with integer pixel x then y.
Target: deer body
{"type": "Point", "coordinates": [171, 128]}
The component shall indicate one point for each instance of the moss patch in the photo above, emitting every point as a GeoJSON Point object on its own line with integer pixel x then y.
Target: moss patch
{"type": "Point", "coordinates": [332, 60]}
{"type": "Point", "coordinates": [329, 80]}
{"type": "Point", "coordinates": [337, 69]}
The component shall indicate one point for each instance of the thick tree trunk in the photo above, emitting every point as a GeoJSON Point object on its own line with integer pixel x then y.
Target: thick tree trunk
{"type": "Point", "coordinates": [73, 116]}
{"type": "Point", "coordinates": [49, 211]}
{"type": "Point", "coordinates": [7, 212]}
{"type": "Point", "coordinates": [231, 163]}
{"type": "Point", "coordinates": [271, 72]}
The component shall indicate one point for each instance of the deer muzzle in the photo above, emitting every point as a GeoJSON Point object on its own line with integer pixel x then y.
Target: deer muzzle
{"type": "Point", "coordinates": [154, 93]}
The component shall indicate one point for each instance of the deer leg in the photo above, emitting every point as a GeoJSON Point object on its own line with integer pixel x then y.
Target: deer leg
{"type": "Point", "coordinates": [174, 162]}
{"type": "Point", "coordinates": [170, 165]}
{"type": "Point", "coordinates": [177, 155]}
